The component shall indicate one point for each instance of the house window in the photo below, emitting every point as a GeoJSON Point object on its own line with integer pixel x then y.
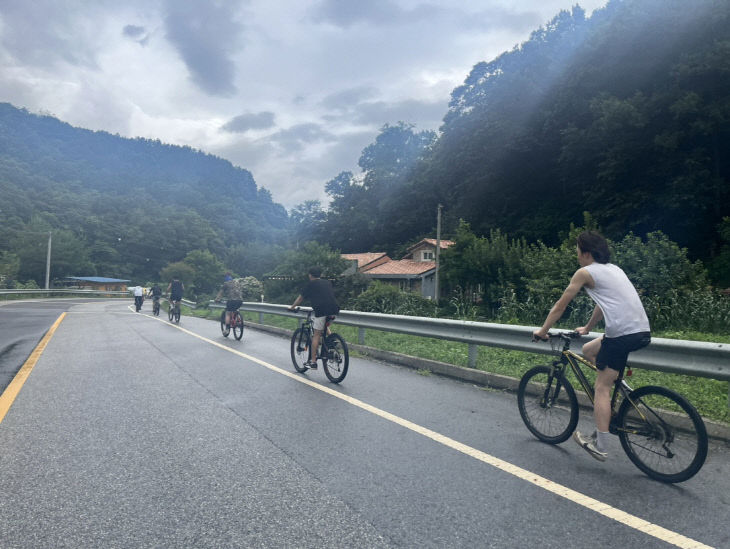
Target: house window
{"type": "Point", "coordinates": [428, 256]}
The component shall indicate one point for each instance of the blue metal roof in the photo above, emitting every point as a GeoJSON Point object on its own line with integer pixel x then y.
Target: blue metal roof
{"type": "Point", "coordinates": [96, 279]}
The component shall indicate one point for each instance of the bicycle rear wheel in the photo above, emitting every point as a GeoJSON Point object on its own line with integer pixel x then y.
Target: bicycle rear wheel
{"type": "Point", "coordinates": [237, 325]}
{"type": "Point", "coordinates": [225, 330]}
{"type": "Point", "coordinates": [336, 359]}
{"type": "Point", "coordinates": [662, 434]}
{"type": "Point", "coordinates": [171, 312]}
{"type": "Point", "coordinates": [547, 404]}
{"type": "Point", "coordinates": [300, 344]}
{"type": "Point", "coordinates": [177, 314]}
{"type": "Point", "coordinates": [156, 308]}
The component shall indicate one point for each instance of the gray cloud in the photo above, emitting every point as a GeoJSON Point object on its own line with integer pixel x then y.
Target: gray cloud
{"type": "Point", "coordinates": [295, 138]}
{"type": "Point", "coordinates": [138, 34]}
{"type": "Point", "coordinates": [206, 35]}
{"type": "Point", "coordinates": [425, 113]}
{"type": "Point", "coordinates": [346, 13]}
{"type": "Point", "coordinates": [346, 99]}
{"type": "Point", "coordinates": [44, 33]}
{"type": "Point", "coordinates": [249, 121]}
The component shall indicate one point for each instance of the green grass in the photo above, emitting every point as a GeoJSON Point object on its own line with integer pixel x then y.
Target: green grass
{"type": "Point", "coordinates": [709, 396]}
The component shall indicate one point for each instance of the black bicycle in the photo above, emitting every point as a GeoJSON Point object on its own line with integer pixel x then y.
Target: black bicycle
{"type": "Point", "coordinates": [235, 324]}
{"type": "Point", "coordinates": [332, 351]}
{"type": "Point", "coordinates": [173, 313]}
{"type": "Point", "coordinates": [659, 430]}
{"type": "Point", "coordinates": [156, 306]}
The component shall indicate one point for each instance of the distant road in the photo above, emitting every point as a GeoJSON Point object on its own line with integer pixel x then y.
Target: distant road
{"type": "Point", "coordinates": [133, 432]}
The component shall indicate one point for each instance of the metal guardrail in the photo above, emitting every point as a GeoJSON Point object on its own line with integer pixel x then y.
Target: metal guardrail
{"type": "Point", "coordinates": [693, 358]}
{"type": "Point", "coordinates": [61, 291]}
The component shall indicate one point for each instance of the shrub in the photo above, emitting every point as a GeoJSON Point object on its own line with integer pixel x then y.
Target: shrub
{"type": "Point", "coordinates": [384, 298]}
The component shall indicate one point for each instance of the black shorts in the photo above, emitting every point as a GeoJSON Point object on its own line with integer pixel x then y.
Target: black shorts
{"type": "Point", "coordinates": [615, 351]}
{"type": "Point", "coordinates": [233, 304]}
{"type": "Point", "coordinates": [175, 297]}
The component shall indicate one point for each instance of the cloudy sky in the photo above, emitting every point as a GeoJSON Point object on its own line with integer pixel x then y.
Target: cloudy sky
{"type": "Point", "coordinates": [291, 90]}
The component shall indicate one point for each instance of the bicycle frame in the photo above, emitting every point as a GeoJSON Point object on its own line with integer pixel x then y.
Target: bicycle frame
{"type": "Point", "coordinates": [620, 386]}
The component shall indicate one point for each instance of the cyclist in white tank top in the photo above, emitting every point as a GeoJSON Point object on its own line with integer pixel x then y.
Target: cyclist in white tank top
{"type": "Point", "coordinates": [627, 327]}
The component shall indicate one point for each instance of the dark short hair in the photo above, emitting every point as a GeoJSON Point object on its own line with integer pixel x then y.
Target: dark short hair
{"type": "Point", "coordinates": [593, 242]}
{"type": "Point", "coordinates": [316, 272]}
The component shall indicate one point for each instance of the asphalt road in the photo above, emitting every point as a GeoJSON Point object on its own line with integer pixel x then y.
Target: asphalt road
{"type": "Point", "coordinates": [132, 432]}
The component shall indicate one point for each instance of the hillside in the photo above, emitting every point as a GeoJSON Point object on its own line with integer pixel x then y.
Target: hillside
{"type": "Point", "coordinates": [625, 114]}
{"type": "Point", "coordinates": [122, 207]}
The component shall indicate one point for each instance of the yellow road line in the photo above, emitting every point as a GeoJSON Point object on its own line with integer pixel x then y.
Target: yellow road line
{"type": "Point", "coordinates": [12, 390]}
{"type": "Point", "coordinates": [599, 507]}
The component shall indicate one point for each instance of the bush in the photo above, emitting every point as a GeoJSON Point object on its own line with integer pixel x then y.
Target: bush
{"type": "Point", "coordinates": [387, 299]}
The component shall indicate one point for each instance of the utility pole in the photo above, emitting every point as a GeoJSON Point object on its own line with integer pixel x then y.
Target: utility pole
{"type": "Point", "coordinates": [48, 261]}
{"type": "Point", "coordinates": [438, 250]}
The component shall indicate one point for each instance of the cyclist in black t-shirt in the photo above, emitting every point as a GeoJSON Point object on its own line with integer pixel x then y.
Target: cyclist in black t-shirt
{"type": "Point", "coordinates": [175, 289]}
{"type": "Point", "coordinates": [320, 294]}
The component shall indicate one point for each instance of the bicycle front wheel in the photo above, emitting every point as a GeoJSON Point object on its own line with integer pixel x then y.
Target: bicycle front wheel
{"type": "Point", "coordinates": [225, 330]}
{"type": "Point", "coordinates": [547, 404]}
{"type": "Point", "coordinates": [237, 325]}
{"type": "Point", "coordinates": [300, 344]}
{"type": "Point", "coordinates": [662, 434]}
{"type": "Point", "coordinates": [336, 359]}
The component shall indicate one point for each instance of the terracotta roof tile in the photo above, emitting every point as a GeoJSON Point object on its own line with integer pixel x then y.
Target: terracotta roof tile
{"type": "Point", "coordinates": [365, 258]}
{"type": "Point", "coordinates": [403, 266]}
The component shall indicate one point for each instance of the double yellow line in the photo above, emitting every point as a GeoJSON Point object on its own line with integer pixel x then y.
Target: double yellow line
{"type": "Point", "coordinates": [12, 390]}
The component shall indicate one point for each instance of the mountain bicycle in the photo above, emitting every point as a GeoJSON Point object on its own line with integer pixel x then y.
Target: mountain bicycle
{"type": "Point", "coordinates": [332, 350]}
{"type": "Point", "coordinates": [236, 323]}
{"type": "Point", "coordinates": [173, 312]}
{"type": "Point", "coordinates": [156, 306]}
{"type": "Point", "coordinates": [660, 431]}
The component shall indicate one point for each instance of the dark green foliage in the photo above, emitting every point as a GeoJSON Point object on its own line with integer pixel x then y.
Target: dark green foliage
{"type": "Point", "coordinates": [119, 207]}
{"type": "Point", "coordinates": [625, 114]}
{"type": "Point", "coordinates": [384, 298]}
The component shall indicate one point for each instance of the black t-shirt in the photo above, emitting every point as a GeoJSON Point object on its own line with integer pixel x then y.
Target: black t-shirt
{"type": "Point", "coordinates": [156, 291]}
{"type": "Point", "coordinates": [177, 289]}
{"type": "Point", "coordinates": [320, 295]}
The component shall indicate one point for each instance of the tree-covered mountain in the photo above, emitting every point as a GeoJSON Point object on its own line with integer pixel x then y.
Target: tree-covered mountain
{"type": "Point", "coordinates": [123, 207]}
{"type": "Point", "coordinates": [625, 114]}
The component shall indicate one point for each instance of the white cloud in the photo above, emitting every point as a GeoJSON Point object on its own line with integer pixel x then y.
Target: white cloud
{"type": "Point", "coordinates": [290, 90]}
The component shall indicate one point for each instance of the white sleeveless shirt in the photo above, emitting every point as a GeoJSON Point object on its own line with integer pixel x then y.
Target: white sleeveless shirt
{"type": "Point", "coordinates": [623, 312]}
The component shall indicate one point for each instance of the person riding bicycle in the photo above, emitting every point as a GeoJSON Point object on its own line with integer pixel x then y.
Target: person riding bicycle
{"type": "Point", "coordinates": [626, 328]}
{"type": "Point", "coordinates": [175, 289]}
{"type": "Point", "coordinates": [232, 292]}
{"type": "Point", "coordinates": [155, 292]}
{"type": "Point", "coordinates": [138, 298]}
{"type": "Point", "coordinates": [320, 294]}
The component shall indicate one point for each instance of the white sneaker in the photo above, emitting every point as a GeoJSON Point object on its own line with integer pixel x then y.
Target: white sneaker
{"type": "Point", "coordinates": [589, 445]}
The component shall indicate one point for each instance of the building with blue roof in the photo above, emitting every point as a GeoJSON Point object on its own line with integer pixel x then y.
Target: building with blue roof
{"type": "Point", "coordinates": [99, 283]}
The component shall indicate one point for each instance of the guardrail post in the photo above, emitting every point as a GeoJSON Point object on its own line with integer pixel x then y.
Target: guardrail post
{"type": "Point", "coordinates": [261, 318]}
{"type": "Point", "coordinates": [473, 355]}
{"type": "Point", "coordinates": [361, 336]}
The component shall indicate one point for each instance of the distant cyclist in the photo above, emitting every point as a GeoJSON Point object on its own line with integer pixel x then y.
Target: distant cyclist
{"type": "Point", "coordinates": [231, 291]}
{"type": "Point", "coordinates": [138, 297]}
{"type": "Point", "coordinates": [155, 292]}
{"type": "Point", "coordinates": [627, 328]}
{"type": "Point", "coordinates": [175, 289]}
{"type": "Point", "coordinates": [319, 293]}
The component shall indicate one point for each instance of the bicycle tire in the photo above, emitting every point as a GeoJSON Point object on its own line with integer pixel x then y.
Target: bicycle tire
{"type": "Point", "coordinates": [670, 443]}
{"type": "Point", "coordinates": [170, 313]}
{"type": "Point", "coordinates": [336, 359]}
{"type": "Point", "coordinates": [225, 330]}
{"type": "Point", "coordinates": [237, 324]}
{"type": "Point", "coordinates": [156, 309]}
{"type": "Point", "coordinates": [548, 414]}
{"type": "Point", "coordinates": [177, 314]}
{"type": "Point", "coordinates": [300, 344]}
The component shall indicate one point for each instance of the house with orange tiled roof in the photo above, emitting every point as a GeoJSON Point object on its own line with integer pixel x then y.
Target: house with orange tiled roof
{"type": "Point", "coordinates": [365, 261]}
{"type": "Point", "coordinates": [416, 272]}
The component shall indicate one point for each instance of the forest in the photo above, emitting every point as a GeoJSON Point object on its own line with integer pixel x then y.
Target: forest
{"type": "Point", "coordinates": [619, 121]}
